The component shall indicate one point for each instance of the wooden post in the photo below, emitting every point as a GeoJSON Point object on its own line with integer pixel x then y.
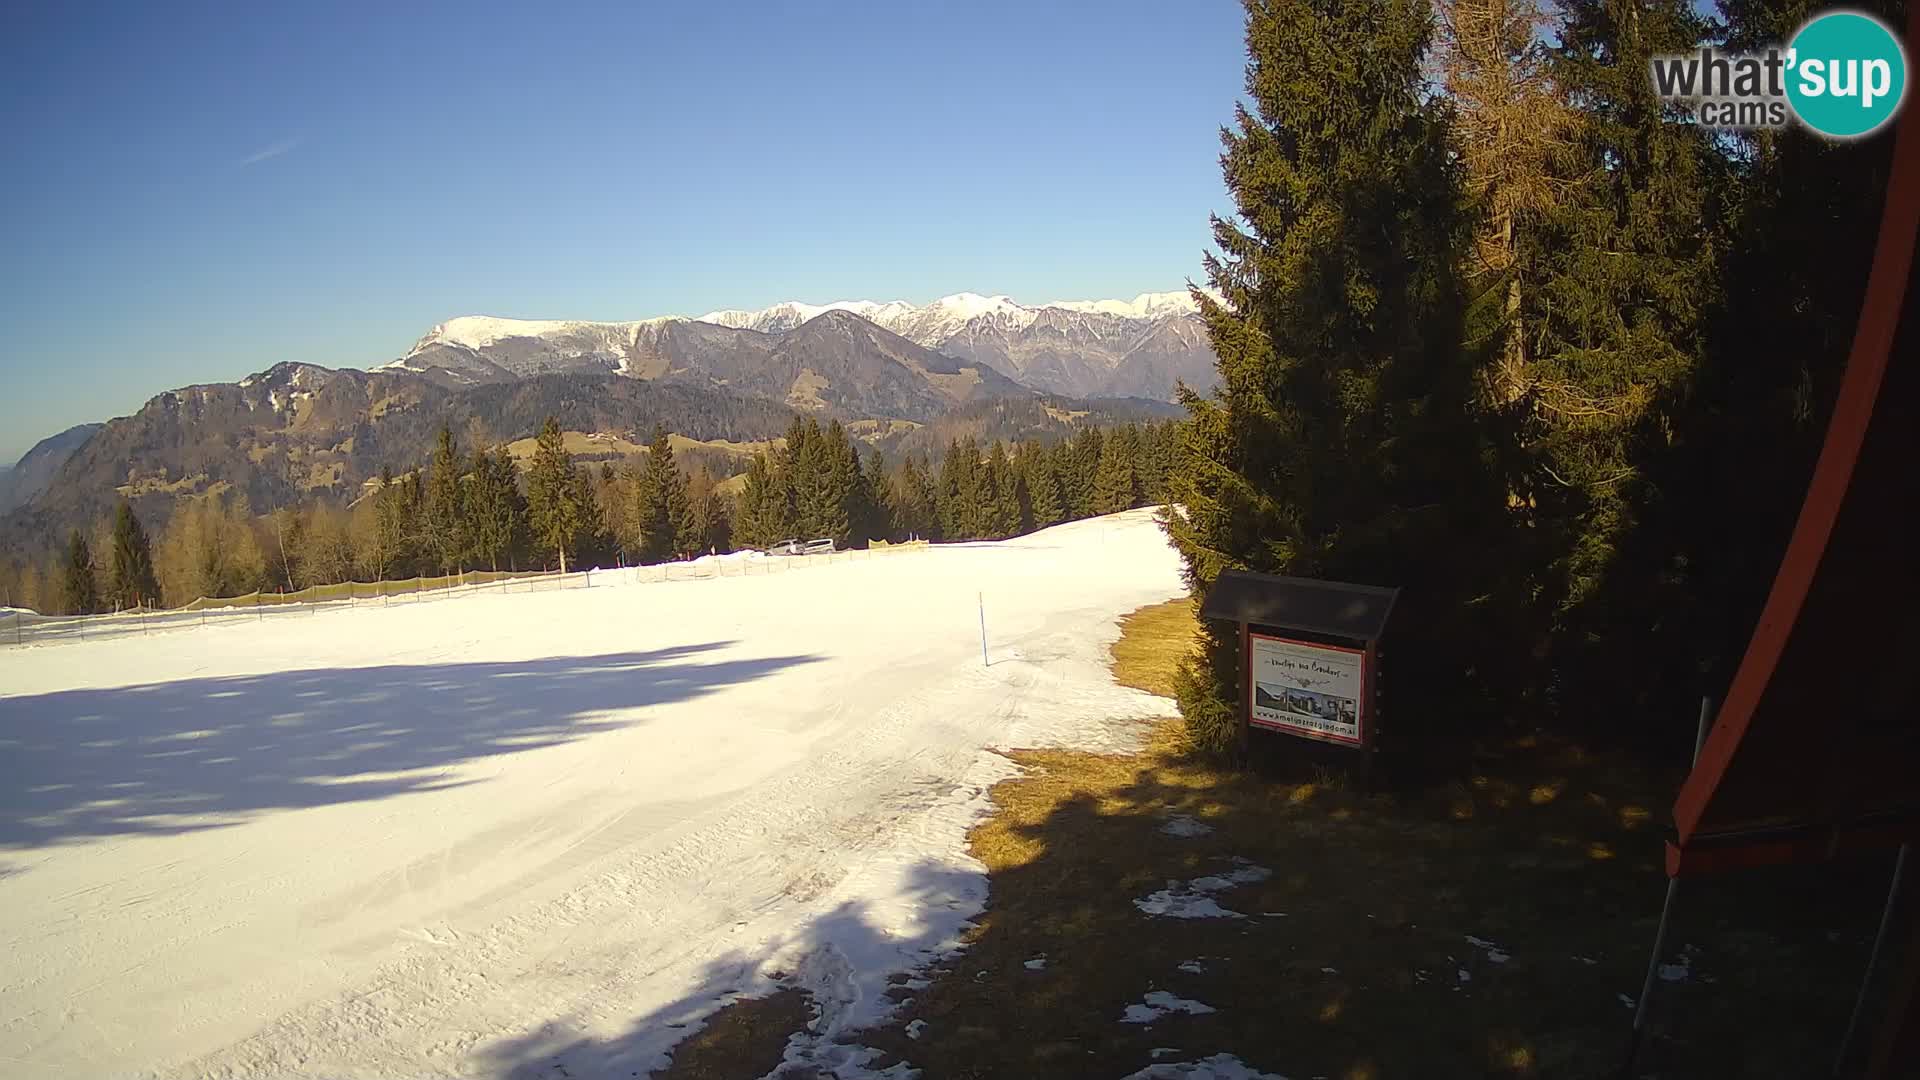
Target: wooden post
{"type": "Point", "coordinates": [1246, 689]}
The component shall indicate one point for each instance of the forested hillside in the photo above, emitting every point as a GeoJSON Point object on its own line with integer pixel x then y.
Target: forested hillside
{"type": "Point", "coordinates": [475, 508]}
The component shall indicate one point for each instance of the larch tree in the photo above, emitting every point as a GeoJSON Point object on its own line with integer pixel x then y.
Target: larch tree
{"type": "Point", "coordinates": [1514, 133]}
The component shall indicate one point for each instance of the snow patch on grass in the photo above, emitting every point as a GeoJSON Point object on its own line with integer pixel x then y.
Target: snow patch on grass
{"type": "Point", "coordinates": [1159, 1003]}
{"type": "Point", "coordinates": [1194, 899]}
{"type": "Point", "coordinates": [1495, 954]}
{"type": "Point", "coordinates": [1682, 969]}
{"type": "Point", "coordinates": [1185, 826]}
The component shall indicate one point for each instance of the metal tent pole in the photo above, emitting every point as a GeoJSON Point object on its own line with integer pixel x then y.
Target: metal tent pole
{"type": "Point", "coordinates": [1873, 958]}
{"type": "Point", "coordinates": [1640, 1008]}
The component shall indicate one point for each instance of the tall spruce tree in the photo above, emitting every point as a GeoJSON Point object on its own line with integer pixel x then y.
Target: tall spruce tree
{"type": "Point", "coordinates": [805, 474]}
{"type": "Point", "coordinates": [754, 524]}
{"type": "Point", "coordinates": [837, 491]}
{"type": "Point", "coordinates": [1154, 450]}
{"type": "Point", "coordinates": [1080, 477]}
{"type": "Point", "coordinates": [1340, 443]}
{"type": "Point", "coordinates": [443, 521]}
{"type": "Point", "coordinates": [1002, 507]}
{"type": "Point", "coordinates": [493, 513]}
{"type": "Point", "coordinates": [1116, 484]}
{"type": "Point", "coordinates": [917, 511]}
{"type": "Point", "coordinates": [878, 500]}
{"type": "Point", "coordinates": [1043, 490]}
{"type": "Point", "coordinates": [1617, 326]}
{"type": "Point", "coordinates": [555, 514]}
{"type": "Point", "coordinates": [963, 492]}
{"type": "Point", "coordinates": [666, 516]}
{"type": "Point", "coordinates": [78, 593]}
{"type": "Point", "coordinates": [132, 581]}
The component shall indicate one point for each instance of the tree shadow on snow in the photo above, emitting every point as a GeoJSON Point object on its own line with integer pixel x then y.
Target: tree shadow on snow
{"type": "Point", "coordinates": [836, 959]}
{"type": "Point", "coordinates": [193, 754]}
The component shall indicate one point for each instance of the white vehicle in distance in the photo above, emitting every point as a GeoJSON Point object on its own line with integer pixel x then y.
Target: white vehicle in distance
{"type": "Point", "coordinates": [822, 546]}
{"type": "Point", "coordinates": [787, 547]}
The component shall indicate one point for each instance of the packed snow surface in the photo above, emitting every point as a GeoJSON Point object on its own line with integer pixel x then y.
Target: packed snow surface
{"type": "Point", "coordinates": [531, 834]}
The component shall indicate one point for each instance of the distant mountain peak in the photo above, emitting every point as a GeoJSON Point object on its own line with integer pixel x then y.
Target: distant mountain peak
{"type": "Point", "coordinates": [1085, 348]}
{"type": "Point", "coordinates": [480, 331]}
{"type": "Point", "coordinates": [935, 323]}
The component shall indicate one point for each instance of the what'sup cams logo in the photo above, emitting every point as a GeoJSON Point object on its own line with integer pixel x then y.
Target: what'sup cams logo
{"type": "Point", "coordinates": [1844, 76]}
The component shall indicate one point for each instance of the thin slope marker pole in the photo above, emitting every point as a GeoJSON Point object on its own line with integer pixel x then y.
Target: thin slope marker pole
{"type": "Point", "coordinates": [1640, 1009]}
{"type": "Point", "coordinates": [982, 599]}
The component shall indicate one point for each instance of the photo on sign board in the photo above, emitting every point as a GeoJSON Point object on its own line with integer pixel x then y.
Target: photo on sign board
{"type": "Point", "coordinates": [1304, 703]}
{"type": "Point", "coordinates": [1306, 688]}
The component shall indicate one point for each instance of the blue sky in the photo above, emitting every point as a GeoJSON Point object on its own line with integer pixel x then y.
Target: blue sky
{"type": "Point", "coordinates": [194, 193]}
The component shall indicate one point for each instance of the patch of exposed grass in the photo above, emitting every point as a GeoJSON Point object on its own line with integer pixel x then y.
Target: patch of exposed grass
{"type": "Point", "coordinates": [745, 1039]}
{"type": "Point", "coordinates": [1153, 641]}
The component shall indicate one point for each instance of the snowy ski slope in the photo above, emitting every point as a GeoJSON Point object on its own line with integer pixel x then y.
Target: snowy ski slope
{"type": "Point", "coordinates": [522, 833]}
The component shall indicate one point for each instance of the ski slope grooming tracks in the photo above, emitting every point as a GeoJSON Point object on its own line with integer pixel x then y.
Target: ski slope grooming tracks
{"type": "Point", "coordinates": [502, 834]}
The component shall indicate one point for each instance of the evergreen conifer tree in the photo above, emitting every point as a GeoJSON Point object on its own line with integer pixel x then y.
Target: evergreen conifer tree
{"type": "Point", "coordinates": [1002, 495]}
{"type": "Point", "coordinates": [1339, 444]}
{"type": "Point", "coordinates": [132, 580]}
{"type": "Point", "coordinates": [492, 510]}
{"type": "Point", "coordinates": [1116, 484]}
{"type": "Point", "coordinates": [964, 510]}
{"type": "Point", "coordinates": [1628, 269]}
{"type": "Point", "coordinates": [555, 515]}
{"type": "Point", "coordinates": [837, 491]}
{"type": "Point", "coordinates": [667, 525]}
{"type": "Point", "coordinates": [804, 476]}
{"type": "Point", "coordinates": [1081, 477]}
{"type": "Point", "coordinates": [879, 501]}
{"type": "Point", "coordinates": [444, 523]}
{"type": "Point", "coordinates": [925, 498]}
{"type": "Point", "coordinates": [754, 525]}
{"type": "Point", "coordinates": [1043, 490]}
{"type": "Point", "coordinates": [77, 585]}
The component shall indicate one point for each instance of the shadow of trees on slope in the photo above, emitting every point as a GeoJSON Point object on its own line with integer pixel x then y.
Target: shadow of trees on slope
{"type": "Point", "coordinates": [834, 959]}
{"type": "Point", "coordinates": [192, 754]}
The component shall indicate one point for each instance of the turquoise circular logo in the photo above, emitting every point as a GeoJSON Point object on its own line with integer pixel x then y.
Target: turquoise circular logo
{"type": "Point", "coordinates": [1847, 74]}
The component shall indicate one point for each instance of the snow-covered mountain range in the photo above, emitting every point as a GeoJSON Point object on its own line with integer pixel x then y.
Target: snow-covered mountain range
{"type": "Point", "coordinates": [1083, 348]}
